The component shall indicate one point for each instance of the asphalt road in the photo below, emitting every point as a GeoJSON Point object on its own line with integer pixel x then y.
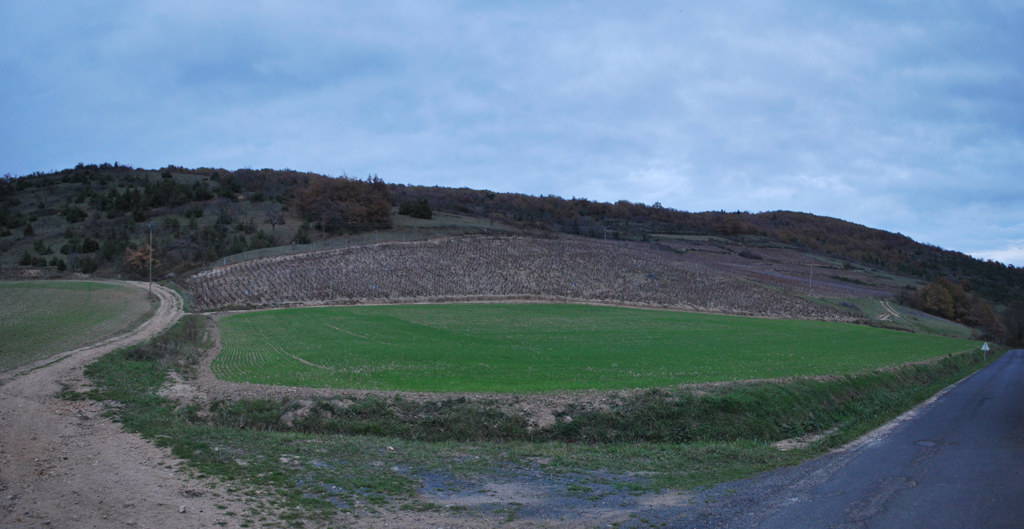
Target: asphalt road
{"type": "Point", "coordinates": [956, 462]}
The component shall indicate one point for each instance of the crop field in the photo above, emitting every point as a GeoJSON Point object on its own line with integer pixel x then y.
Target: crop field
{"type": "Point", "coordinates": [39, 319]}
{"type": "Point", "coordinates": [545, 347]}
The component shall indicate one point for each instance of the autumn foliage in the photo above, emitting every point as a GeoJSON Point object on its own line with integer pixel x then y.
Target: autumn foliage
{"type": "Point", "coordinates": [342, 203]}
{"type": "Point", "coordinates": [136, 260]}
{"type": "Point", "coordinates": [954, 301]}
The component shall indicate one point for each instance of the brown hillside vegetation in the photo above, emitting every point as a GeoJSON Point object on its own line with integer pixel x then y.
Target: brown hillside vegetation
{"type": "Point", "coordinates": [483, 268]}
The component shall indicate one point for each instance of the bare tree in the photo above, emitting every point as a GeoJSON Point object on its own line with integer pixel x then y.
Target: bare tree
{"type": "Point", "coordinates": [225, 211]}
{"type": "Point", "coordinates": [274, 217]}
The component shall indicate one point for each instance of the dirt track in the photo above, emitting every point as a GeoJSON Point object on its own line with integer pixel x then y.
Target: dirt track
{"type": "Point", "coordinates": [63, 465]}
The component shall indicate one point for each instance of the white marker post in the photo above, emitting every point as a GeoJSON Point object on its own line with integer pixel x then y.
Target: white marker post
{"type": "Point", "coordinates": [984, 350]}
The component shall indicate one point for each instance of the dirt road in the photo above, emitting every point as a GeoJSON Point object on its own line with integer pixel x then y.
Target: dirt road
{"type": "Point", "coordinates": [63, 465]}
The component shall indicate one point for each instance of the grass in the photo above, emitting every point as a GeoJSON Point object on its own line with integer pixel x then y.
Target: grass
{"type": "Point", "coordinates": [545, 347]}
{"type": "Point", "coordinates": [315, 475]}
{"type": "Point", "coordinates": [906, 318]}
{"type": "Point", "coordinates": [40, 319]}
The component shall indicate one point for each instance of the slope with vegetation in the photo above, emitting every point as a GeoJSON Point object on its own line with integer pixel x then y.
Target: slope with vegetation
{"type": "Point", "coordinates": [98, 219]}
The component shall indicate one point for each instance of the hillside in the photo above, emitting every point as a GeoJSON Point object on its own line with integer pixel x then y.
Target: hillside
{"type": "Point", "coordinates": [826, 236]}
{"type": "Point", "coordinates": [483, 268]}
{"type": "Point", "coordinates": [98, 220]}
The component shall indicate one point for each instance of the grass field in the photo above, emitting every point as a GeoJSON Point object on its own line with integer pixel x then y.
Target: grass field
{"type": "Point", "coordinates": [39, 319]}
{"type": "Point", "coordinates": [906, 318]}
{"type": "Point", "coordinates": [538, 348]}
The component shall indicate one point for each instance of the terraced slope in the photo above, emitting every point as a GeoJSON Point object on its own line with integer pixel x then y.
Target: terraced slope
{"type": "Point", "coordinates": [498, 268]}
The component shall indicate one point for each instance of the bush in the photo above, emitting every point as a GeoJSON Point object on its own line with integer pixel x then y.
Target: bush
{"type": "Point", "coordinates": [87, 265]}
{"type": "Point", "coordinates": [302, 236]}
{"type": "Point", "coordinates": [194, 211]}
{"type": "Point", "coordinates": [41, 248]}
{"type": "Point", "coordinates": [90, 245]}
{"type": "Point", "coordinates": [75, 214]}
{"type": "Point", "coordinates": [181, 346]}
{"type": "Point", "coordinates": [418, 209]}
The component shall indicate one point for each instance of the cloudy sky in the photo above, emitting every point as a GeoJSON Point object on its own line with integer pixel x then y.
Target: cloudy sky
{"type": "Point", "coordinates": [902, 116]}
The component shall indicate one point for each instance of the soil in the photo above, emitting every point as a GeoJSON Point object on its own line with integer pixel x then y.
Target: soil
{"type": "Point", "coordinates": [62, 464]}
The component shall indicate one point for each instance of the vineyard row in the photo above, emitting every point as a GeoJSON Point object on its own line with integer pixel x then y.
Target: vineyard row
{"type": "Point", "coordinates": [484, 267]}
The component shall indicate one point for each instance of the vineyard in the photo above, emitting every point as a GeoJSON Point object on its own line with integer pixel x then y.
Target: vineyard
{"type": "Point", "coordinates": [482, 268]}
{"type": "Point", "coordinates": [786, 268]}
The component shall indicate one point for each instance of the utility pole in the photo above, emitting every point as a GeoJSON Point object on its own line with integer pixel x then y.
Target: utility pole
{"type": "Point", "coordinates": [150, 258]}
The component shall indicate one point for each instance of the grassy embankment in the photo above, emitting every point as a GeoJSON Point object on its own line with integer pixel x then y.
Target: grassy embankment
{"type": "Point", "coordinates": [659, 439]}
{"type": "Point", "coordinates": [532, 348]}
{"type": "Point", "coordinates": [39, 319]}
{"type": "Point", "coordinates": [889, 314]}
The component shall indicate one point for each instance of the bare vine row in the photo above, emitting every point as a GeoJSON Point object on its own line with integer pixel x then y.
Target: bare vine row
{"type": "Point", "coordinates": [482, 267]}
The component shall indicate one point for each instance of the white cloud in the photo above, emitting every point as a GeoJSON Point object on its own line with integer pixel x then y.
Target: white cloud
{"type": "Point", "coordinates": [1013, 254]}
{"type": "Point", "coordinates": [899, 117]}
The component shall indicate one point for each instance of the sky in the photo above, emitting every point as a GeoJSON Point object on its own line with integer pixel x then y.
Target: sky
{"type": "Point", "coordinates": [903, 116]}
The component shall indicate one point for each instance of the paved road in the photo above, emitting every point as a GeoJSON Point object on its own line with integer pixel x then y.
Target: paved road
{"type": "Point", "coordinates": [958, 463]}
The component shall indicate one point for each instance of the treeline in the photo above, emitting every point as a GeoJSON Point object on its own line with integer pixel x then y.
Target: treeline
{"type": "Point", "coordinates": [107, 211]}
{"type": "Point", "coordinates": [956, 302]}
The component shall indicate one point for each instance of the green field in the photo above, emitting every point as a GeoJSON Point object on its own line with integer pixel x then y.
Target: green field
{"type": "Point", "coordinates": [42, 318]}
{"type": "Point", "coordinates": [539, 348]}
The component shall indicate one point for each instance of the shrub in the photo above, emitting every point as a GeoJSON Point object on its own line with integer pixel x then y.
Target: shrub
{"type": "Point", "coordinates": [302, 236]}
{"type": "Point", "coordinates": [87, 265]}
{"type": "Point", "coordinates": [419, 209]}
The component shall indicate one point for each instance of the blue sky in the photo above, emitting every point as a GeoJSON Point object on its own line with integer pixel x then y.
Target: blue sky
{"type": "Point", "coordinates": [903, 116]}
